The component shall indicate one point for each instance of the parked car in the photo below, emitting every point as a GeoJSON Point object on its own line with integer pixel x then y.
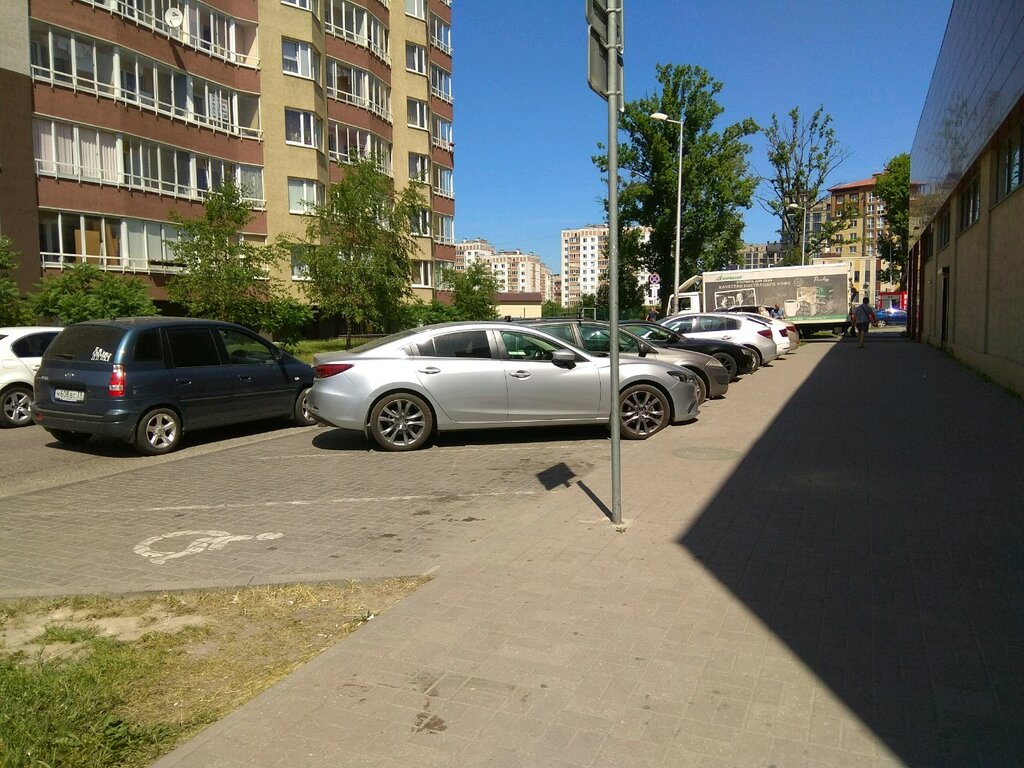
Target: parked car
{"type": "Point", "coordinates": [21, 349]}
{"type": "Point", "coordinates": [891, 316]}
{"type": "Point", "coordinates": [402, 389]}
{"type": "Point", "coordinates": [146, 380]}
{"type": "Point", "coordinates": [753, 335]}
{"type": "Point", "coordinates": [736, 358]}
{"type": "Point", "coordinates": [782, 326]}
{"type": "Point", "coordinates": [593, 336]}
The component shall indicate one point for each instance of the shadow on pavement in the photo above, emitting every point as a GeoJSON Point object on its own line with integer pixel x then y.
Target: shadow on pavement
{"type": "Point", "coordinates": [876, 529]}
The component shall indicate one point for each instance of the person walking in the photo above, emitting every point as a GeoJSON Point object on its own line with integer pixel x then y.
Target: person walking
{"type": "Point", "coordinates": [863, 316]}
{"type": "Point", "coordinates": [652, 316]}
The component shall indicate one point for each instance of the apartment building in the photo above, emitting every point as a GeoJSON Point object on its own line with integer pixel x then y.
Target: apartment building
{"type": "Point", "coordinates": [584, 259]}
{"type": "Point", "coordinates": [759, 255]}
{"type": "Point", "coordinates": [119, 111]}
{"type": "Point", "coordinates": [857, 243]}
{"type": "Point", "coordinates": [515, 271]}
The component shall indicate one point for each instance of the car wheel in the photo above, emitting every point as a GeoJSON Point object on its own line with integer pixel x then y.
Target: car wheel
{"type": "Point", "coordinates": [643, 411]}
{"type": "Point", "coordinates": [401, 421]}
{"type": "Point", "coordinates": [880, 323]}
{"type": "Point", "coordinates": [300, 413]}
{"type": "Point", "coordinates": [730, 364]}
{"type": "Point", "coordinates": [700, 386]}
{"type": "Point", "coordinates": [758, 357]}
{"type": "Point", "coordinates": [159, 432]}
{"type": "Point", "coordinates": [67, 437]}
{"type": "Point", "coordinates": [16, 402]}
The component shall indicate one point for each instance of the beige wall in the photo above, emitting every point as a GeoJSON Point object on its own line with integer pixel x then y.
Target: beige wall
{"type": "Point", "coordinates": [985, 314]}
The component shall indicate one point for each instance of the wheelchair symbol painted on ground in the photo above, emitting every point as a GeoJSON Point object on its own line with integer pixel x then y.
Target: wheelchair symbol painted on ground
{"type": "Point", "coordinates": [204, 541]}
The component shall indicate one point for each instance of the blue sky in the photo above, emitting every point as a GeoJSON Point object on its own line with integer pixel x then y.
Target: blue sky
{"type": "Point", "coordinates": [527, 124]}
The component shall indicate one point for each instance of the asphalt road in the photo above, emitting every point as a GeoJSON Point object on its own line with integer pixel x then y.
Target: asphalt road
{"type": "Point", "coordinates": [261, 503]}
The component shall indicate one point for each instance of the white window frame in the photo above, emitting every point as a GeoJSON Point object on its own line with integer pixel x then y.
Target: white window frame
{"type": "Point", "coordinates": [419, 168]}
{"type": "Point", "coordinates": [303, 57]}
{"type": "Point", "coordinates": [415, 58]}
{"type": "Point", "coordinates": [303, 5]}
{"type": "Point", "coordinates": [304, 195]}
{"type": "Point", "coordinates": [416, 8]}
{"type": "Point", "coordinates": [417, 114]}
{"type": "Point", "coordinates": [441, 83]}
{"type": "Point", "coordinates": [310, 126]}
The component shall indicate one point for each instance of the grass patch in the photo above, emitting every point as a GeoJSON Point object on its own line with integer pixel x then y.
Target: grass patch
{"type": "Point", "coordinates": [91, 681]}
{"type": "Point", "coordinates": [304, 350]}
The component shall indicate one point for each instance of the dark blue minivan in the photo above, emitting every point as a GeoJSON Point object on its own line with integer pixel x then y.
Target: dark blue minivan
{"type": "Point", "coordinates": [146, 380]}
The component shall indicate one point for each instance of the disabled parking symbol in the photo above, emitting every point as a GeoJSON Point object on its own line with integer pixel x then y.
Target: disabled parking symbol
{"type": "Point", "coordinates": [203, 541]}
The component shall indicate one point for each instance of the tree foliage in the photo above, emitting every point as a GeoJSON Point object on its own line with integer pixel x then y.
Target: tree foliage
{"type": "Point", "coordinates": [13, 310]}
{"type": "Point", "coordinates": [84, 292]}
{"type": "Point", "coordinates": [226, 277]}
{"type": "Point", "coordinates": [717, 182]}
{"type": "Point", "coordinates": [359, 246]}
{"type": "Point", "coordinates": [893, 188]}
{"type": "Point", "coordinates": [631, 293]}
{"type": "Point", "coordinates": [474, 293]}
{"type": "Point", "coordinates": [802, 153]}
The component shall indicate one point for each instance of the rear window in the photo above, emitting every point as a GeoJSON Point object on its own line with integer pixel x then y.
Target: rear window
{"type": "Point", "coordinates": [84, 343]}
{"type": "Point", "coordinates": [192, 347]}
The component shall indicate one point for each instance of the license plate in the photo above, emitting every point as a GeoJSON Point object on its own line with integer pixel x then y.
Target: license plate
{"type": "Point", "coordinates": [69, 395]}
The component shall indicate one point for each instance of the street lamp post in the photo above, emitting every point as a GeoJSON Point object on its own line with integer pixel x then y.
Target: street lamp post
{"type": "Point", "coordinates": [661, 116]}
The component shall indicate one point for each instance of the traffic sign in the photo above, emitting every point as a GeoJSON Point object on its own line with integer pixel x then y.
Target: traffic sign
{"type": "Point", "coordinates": [598, 47]}
{"type": "Point", "coordinates": [654, 278]}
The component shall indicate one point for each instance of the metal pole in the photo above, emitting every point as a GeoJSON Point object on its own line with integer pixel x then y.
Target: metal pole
{"type": "Point", "coordinates": [614, 94]}
{"type": "Point", "coordinates": [679, 211]}
{"type": "Point", "coordinates": [803, 240]}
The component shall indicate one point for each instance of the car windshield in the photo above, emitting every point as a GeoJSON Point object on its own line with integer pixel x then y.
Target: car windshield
{"type": "Point", "coordinates": [654, 333]}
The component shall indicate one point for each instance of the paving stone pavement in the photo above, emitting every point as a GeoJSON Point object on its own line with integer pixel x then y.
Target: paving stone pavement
{"type": "Point", "coordinates": [823, 570]}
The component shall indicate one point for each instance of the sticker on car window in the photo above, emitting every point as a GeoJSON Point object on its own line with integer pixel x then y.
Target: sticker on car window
{"type": "Point", "coordinates": [101, 355]}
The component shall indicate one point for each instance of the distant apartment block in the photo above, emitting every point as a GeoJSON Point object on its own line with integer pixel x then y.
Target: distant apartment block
{"type": "Point", "coordinates": [759, 255]}
{"type": "Point", "coordinates": [584, 265]}
{"type": "Point", "coordinates": [515, 271]}
{"type": "Point", "coordinates": [118, 111]}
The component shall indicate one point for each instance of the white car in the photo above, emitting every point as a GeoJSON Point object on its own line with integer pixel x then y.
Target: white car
{"type": "Point", "coordinates": [21, 349]}
{"type": "Point", "coordinates": [754, 335]}
{"type": "Point", "coordinates": [781, 328]}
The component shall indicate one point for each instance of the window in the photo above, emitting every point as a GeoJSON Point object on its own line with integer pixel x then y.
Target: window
{"type": "Point", "coordinates": [416, 58]}
{"type": "Point", "coordinates": [418, 114]}
{"type": "Point", "coordinates": [300, 267]}
{"type": "Point", "coordinates": [416, 8]}
{"type": "Point", "coordinates": [244, 349]}
{"type": "Point", "coordinates": [347, 144]}
{"type": "Point", "coordinates": [303, 195]}
{"type": "Point", "coordinates": [357, 86]}
{"type": "Point", "coordinates": [444, 181]}
{"type": "Point", "coordinates": [526, 346]}
{"type": "Point", "coordinates": [440, 83]}
{"type": "Point", "coordinates": [462, 344]}
{"type": "Point", "coordinates": [970, 204]}
{"type": "Point", "coordinates": [300, 59]}
{"type": "Point", "coordinates": [1010, 163]}
{"type": "Point", "coordinates": [148, 348]}
{"type": "Point", "coordinates": [444, 229]}
{"type": "Point", "coordinates": [442, 135]}
{"type": "Point", "coordinates": [420, 222]}
{"type": "Point", "coordinates": [942, 229]}
{"type": "Point", "coordinates": [192, 347]}
{"type": "Point", "coordinates": [303, 128]}
{"type": "Point", "coordinates": [354, 23]}
{"type": "Point", "coordinates": [306, 5]}
{"type": "Point", "coordinates": [423, 273]}
{"type": "Point", "coordinates": [440, 34]}
{"type": "Point", "coordinates": [419, 168]}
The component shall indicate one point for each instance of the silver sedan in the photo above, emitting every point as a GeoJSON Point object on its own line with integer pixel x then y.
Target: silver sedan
{"type": "Point", "coordinates": [402, 389]}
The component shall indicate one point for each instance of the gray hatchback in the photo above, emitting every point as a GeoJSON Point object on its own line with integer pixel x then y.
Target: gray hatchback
{"type": "Point", "coordinates": [146, 380]}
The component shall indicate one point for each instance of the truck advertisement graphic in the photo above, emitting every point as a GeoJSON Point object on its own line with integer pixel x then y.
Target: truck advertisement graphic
{"type": "Point", "coordinates": [813, 296]}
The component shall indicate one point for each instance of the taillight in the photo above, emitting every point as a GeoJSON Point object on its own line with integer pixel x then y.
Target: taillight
{"type": "Point", "coordinates": [766, 332]}
{"type": "Point", "coordinates": [326, 370]}
{"type": "Point", "coordinates": [116, 386]}
{"type": "Point", "coordinates": [783, 333]}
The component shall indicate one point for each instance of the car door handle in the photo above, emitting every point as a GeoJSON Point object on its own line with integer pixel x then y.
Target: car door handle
{"type": "Point", "coordinates": [183, 381]}
{"type": "Point", "coordinates": [727, 336]}
{"type": "Point", "coordinates": [519, 374]}
{"type": "Point", "coordinates": [430, 369]}
{"type": "Point", "coordinates": [244, 378]}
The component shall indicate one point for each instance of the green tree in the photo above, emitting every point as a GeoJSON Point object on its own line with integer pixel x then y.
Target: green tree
{"type": "Point", "coordinates": [631, 293]}
{"type": "Point", "coordinates": [474, 293]}
{"type": "Point", "coordinates": [421, 312]}
{"type": "Point", "coordinates": [553, 309]}
{"type": "Point", "coordinates": [224, 276]}
{"type": "Point", "coordinates": [13, 310]}
{"type": "Point", "coordinates": [359, 246]}
{"type": "Point", "coordinates": [893, 188]}
{"type": "Point", "coordinates": [802, 153]}
{"type": "Point", "coordinates": [84, 292]}
{"type": "Point", "coordinates": [717, 182]}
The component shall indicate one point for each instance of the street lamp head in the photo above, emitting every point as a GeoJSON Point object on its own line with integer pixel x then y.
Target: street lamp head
{"type": "Point", "coordinates": [794, 206]}
{"type": "Point", "coordinates": [659, 116]}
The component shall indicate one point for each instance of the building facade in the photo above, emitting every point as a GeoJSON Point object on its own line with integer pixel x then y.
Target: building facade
{"type": "Point", "coordinates": [760, 255]}
{"type": "Point", "coordinates": [124, 110]}
{"type": "Point", "coordinates": [857, 243]}
{"type": "Point", "coordinates": [515, 271]}
{"type": "Point", "coordinates": [584, 265]}
{"type": "Point", "coordinates": [967, 218]}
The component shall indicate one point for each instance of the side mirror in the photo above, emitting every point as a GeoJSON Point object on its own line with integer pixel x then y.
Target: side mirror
{"type": "Point", "coordinates": [564, 358]}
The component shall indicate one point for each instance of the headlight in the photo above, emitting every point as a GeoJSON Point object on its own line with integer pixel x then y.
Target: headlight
{"type": "Point", "coordinates": [683, 375]}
